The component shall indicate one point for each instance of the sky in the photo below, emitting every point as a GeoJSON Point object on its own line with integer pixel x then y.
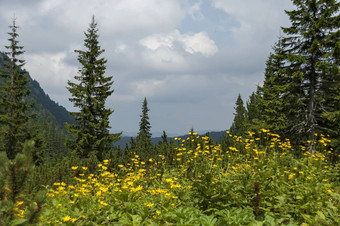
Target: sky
{"type": "Point", "coordinates": [189, 58]}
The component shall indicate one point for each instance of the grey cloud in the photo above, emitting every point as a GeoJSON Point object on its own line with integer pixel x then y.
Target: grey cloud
{"type": "Point", "coordinates": [184, 87]}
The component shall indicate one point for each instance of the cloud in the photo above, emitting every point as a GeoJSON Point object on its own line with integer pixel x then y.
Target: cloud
{"type": "Point", "coordinates": [190, 43]}
{"type": "Point", "coordinates": [121, 48]}
{"type": "Point", "coordinates": [195, 11]}
{"type": "Point", "coordinates": [51, 71]}
{"type": "Point", "coordinates": [256, 18]}
{"type": "Point", "coordinates": [148, 87]}
{"type": "Point", "coordinates": [155, 42]}
{"type": "Point", "coordinates": [189, 58]}
{"type": "Point", "coordinates": [119, 16]}
{"type": "Point", "coordinates": [199, 43]}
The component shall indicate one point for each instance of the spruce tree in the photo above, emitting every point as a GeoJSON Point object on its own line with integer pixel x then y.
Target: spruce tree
{"type": "Point", "coordinates": [164, 138]}
{"type": "Point", "coordinates": [330, 92]}
{"type": "Point", "coordinates": [91, 129]}
{"type": "Point", "coordinates": [254, 110]}
{"type": "Point", "coordinates": [14, 110]}
{"type": "Point", "coordinates": [274, 93]}
{"type": "Point", "coordinates": [238, 126]}
{"type": "Point", "coordinates": [144, 134]}
{"type": "Point", "coordinates": [301, 67]}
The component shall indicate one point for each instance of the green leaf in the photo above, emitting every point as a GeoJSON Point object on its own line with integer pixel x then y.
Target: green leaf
{"type": "Point", "coordinates": [18, 221]}
{"type": "Point", "coordinates": [321, 215]}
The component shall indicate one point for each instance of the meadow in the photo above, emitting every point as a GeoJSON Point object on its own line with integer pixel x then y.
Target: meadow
{"type": "Point", "coordinates": [259, 179]}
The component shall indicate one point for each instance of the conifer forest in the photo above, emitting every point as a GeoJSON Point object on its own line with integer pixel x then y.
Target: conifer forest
{"type": "Point", "coordinates": [277, 164]}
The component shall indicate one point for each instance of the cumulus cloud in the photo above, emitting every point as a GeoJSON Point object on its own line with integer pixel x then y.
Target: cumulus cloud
{"type": "Point", "coordinates": [50, 64]}
{"type": "Point", "coordinates": [127, 16]}
{"type": "Point", "coordinates": [199, 43]}
{"type": "Point", "coordinates": [191, 43]}
{"type": "Point", "coordinates": [51, 71]}
{"type": "Point", "coordinates": [155, 42]}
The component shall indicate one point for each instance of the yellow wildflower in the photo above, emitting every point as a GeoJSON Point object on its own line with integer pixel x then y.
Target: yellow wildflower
{"type": "Point", "coordinates": [19, 203]}
{"type": "Point", "coordinates": [67, 218]}
{"type": "Point", "coordinates": [149, 204]}
{"type": "Point", "coordinates": [103, 203]}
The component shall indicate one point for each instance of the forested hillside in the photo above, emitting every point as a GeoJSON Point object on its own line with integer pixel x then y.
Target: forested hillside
{"type": "Point", "coordinates": [50, 116]}
{"type": "Point", "coordinates": [43, 102]}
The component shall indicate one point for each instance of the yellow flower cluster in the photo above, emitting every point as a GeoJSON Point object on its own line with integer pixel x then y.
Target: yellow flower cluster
{"type": "Point", "coordinates": [145, 183]}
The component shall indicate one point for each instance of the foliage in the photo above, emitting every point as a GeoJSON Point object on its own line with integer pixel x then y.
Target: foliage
{"type": "Point", "coordinates": [14, 110]}
{"type": "Point", "coordinates": [144, 144]}
{"type": "Point", "coordinates": [250, 178]}
{"type": "Point", "coordinates": [91, 129]}
{"type": "Point", "coordinates": [299, 96]}
{"type": "Point", "coordinates": [258, 180]}
{"type": "Point", "coordinates": [240, 119]}
{"type": "Point", "coordinates": [274, 94]}
{"type": "Point", "coordinates": [45, 107]}
{"type": "Point", "coordinates": [16, 206]}
{"type": "Point", "coordinates": [50, 118]}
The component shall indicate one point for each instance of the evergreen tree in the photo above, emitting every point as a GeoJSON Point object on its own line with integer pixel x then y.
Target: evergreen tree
{"type": "Point", "coordinates": [307, 46]}
{"type": "Point", "coordinates": [254, 122]}
{"type": "Point", "coordinates": [299, 68]}
{"type": "Point", "coordinates": [144, 134]}
{"type": "Point", "coordinates": [330, 114]}
{"type": "Point", "coordinates": [91, 128]}
{"type": "Point", "coordinates": [274, 93]}
{"type": "Point", "coordinates": [13, 179]}
{"type": "Point", "coordinates": [238, 126]}
{"type": "Point", "coordinates": [330, 91]}
{"type": "Point", "coordinates": [164, 138]}
{"type": "Point", "coordinates": [14, 110]}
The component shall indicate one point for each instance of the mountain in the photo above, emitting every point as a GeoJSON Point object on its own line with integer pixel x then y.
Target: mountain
{"type": "Point", "coordinates": [46, 108]}
{"type": "Point", "coordinates": [52, 114]}
{"type": "Point", "coordinates": [214, 135]}
{"type": "Point", "coordinates": [59, 112]}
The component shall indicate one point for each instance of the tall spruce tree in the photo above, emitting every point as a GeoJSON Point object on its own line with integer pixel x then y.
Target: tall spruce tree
{"type": "Point", "coordinates": [275, 92]}
{"type": "Point", "coordinates": [14, 107]}
{"type": "Point", "coordinates": [300, 67]}
{"type": "Point", "coordinates": [91, 129]}
{"type": "Point", "coordinates": [330, 90]}
{"type": "Point", "coordinates": [239, 125]}
{"type": "Point", "coordinates": [144, 134]}
{"type": "Point", "coordinates": [254, 110]}
{"type": "Point", "coordinates": [307, 46]}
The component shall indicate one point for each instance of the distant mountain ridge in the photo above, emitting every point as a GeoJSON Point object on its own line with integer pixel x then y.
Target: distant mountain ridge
{"type": "Point", "coordinates": [215, 136]}
{"type": "Point", "coordinates": [49, 111]}
{"type": "Point", "coordinates": [44, 105]}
